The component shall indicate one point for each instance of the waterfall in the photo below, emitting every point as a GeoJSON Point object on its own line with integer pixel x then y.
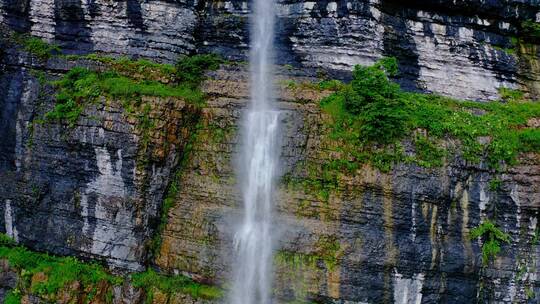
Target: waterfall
{"type": "Point", "coordinates": [259, 159]}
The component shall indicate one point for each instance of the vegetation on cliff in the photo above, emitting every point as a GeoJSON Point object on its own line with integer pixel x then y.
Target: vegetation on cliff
{"type": "Point", "coordinates": [530, 30]}
{"type": "Point", "coordinates": [492, 238]}
{"type": "Point", "coordinates": [372, 121]}
{"type": "Point", "coordinates": [152, 281]}
{"type": "Point", "coordinates": [36, 46]}
{"type": "Point", "coordinates": [51, 277]}
{"type": "Point", "coordinates": [128, 81]}
{"type": "Point", "coordinates": [373, 113]}
{"type": "Point", "coordinates": [46, 276]}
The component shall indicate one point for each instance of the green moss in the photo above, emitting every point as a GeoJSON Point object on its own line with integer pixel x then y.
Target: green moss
{"type": "Point", "coordinates": [174, 284]}
{"type": "Point", "coordinates": [36, 46]}
{"type": "Point", "coordinates": [492, 237]}
{"type": "Point", "coordinates": [190, 70]}
{"type": "Point", "coordinates": [530, 29]}
{"type": "Point", "coordinates": [327, 250]}
{"type": "Point", "coordinates": [510, 51]}
{"type": "Point", "coordinates": [140, 70]}
{"type": "Point", "coordinates": [13, 297]}
{"type": "Point", "coordinates": [129, 80]}
{"type": "Point", "coordinates": [529, 139]}
{"type": "Point", "coordinates": [511, 94]}
{"type": "Point", "coordinates": [495, 184]}
{"type": "Point", "coordinates": [81, 86]}
{"type": "Point", "coordinates": [59, 271]}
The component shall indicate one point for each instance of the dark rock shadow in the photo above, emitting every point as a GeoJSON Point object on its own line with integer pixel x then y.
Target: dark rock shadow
{"type": "Point", "coordinates": [72, 31]}
{"type": "Point", "coordinates": [399, 43]}
{"type": "Point", "coordinates": [16, 14]}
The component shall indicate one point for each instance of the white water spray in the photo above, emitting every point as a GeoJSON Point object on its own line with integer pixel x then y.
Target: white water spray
{"type": "Point", "coordinates": [253, 239]}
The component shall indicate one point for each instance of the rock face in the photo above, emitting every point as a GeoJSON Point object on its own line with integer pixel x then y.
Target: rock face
{"type": "Point", "coordinates": [397, 237]}
{"type": "Point", "coordinates": [94, 189]}
{"type": "Point", "coordinates": [157, 29]}
{"type": "Point", "coordinates": [464, 49]}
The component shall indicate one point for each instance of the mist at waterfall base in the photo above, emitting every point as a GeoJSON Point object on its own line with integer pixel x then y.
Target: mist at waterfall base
{"type": "Point", "coordinates": [253, 240]}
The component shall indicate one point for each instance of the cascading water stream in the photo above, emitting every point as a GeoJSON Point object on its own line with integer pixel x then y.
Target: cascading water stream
{"type": "Point", "coordinates": [253, 239]}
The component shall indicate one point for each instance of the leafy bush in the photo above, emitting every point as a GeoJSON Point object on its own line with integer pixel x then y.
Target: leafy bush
{"type": "Point", "coordinates": [371, 85]}
{"type": "Point", "coordinates": [530, 29]}
{"type": "Point", "coordinates": [36, 46]}
{"type": "Point", "coordinates": [492, 237]}
{"type": "Point", "coordinates": [13, 297]}
{"type": "Point", "coordinates": [190, 70]}
{"type": "Point", "coordinates": [371, 103]}
{"type": "Point", "coordinates": [371, 113]}
{"type": "Point", "coordinates": [384, 121]}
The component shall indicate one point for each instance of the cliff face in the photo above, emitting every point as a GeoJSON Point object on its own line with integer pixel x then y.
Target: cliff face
{"type": "Point", "coordinates": [96, 189]}
{"type": "Point", "coordinates": [401, 237]}
{"type": "Point", "coordinates": [464, 49]}
{"type": "Point", "coordinates": [93, 189]}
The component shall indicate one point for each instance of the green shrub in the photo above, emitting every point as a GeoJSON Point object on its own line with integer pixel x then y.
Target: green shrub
{"type": "Point", "coordinates": [190, 70]}
{"type": "Point", "coordinates": [384, 121]}
{"type": "Point", "coordinates": [529, 140]}
{"type": "Point", "coordinates": [371, 85]}
{"type": "Point", "coordinates": [36, 46]}
{"type": "Point", "coordinates": [530, 29]}
{"type": "Point", "coordinates": [13, 297]}
{"type": "Point", "coordinates": [492, 237]}
{"type": "Point", "coordinates": [371, 103]}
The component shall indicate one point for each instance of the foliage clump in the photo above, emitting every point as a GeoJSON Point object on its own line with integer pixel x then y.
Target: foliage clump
{"type": "Point", "coordinates": [36, 46]}
{"type": "Point", "coordinates": [530, 30]}
{"type": "Point", "coordinates": [55, 274]}
{"type": "Point", "coordinates": [81, 86]}
{"type": "Point", "coordinates": [372, 115]}
{"type": "Point", "coordinates": [190, 70]}
{"type": "Point", "coordinates": [173, 284]}
{"type": "Point", "coordinates": [58, 272]}
{"type": "Point", "coordinates": [492, 238]}
{"type": "Point", "coordinates": [374, 100]}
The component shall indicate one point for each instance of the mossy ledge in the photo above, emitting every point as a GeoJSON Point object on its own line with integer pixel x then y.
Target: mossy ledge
{"type": "Point", "coordinates": [52, 278]}
{"type": "Point", "coordinates": [371, 120]}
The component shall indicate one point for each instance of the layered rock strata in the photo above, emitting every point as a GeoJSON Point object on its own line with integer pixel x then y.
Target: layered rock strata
{"type": "Point", "coordinates": [464, 49]}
